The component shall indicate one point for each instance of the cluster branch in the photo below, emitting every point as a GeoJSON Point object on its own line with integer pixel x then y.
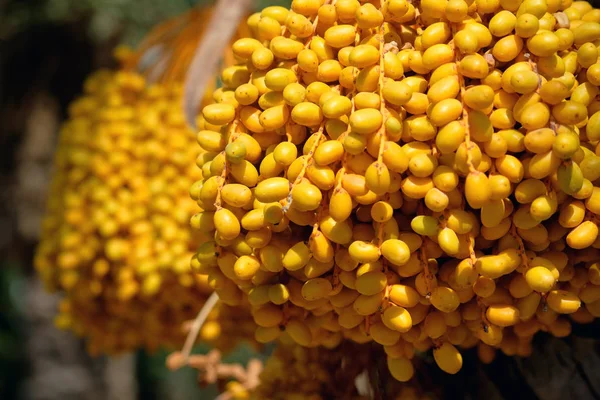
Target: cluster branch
{"type": "Point", "coordinates": [212, 369]}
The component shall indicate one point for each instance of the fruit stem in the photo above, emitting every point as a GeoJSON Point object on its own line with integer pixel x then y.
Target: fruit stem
{"type": "Point", "coordinates": [382, 131]}
{"type": "Point", "coordinates": [288, 201]}
{"type": "Point", "coordinates": [423, 257]}
{"type": "Point", "coordinates": [483, 308]}
{"type": "Point", "coordinates": [514, 233]}
{"type": "Point", "coordinates": [314, 28]}
{"type": "Point", "coordinates": [465, 113]}
{"type": "Point", "coordinates": [233, 135]}
{"type": "Point", "coordinates": [534, 68]}
{"type": "Point", "coordinates": [465, 118]}
{"type": "Point", "coordinates": [197, 325]}
{"type": "Point", "coordinates": [427, 274]}
{"type": "Point", "coordinates": [472, 255]}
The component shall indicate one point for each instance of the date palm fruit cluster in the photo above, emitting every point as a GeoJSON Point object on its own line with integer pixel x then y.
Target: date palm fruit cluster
{"type": "Point", "coordinates": [424, 175]}
{"type": "Point", "coordinates": [116, 238]}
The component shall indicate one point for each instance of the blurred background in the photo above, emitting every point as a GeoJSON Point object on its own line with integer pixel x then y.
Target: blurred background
{"type": "Point", "coordinates": [47, 48]}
